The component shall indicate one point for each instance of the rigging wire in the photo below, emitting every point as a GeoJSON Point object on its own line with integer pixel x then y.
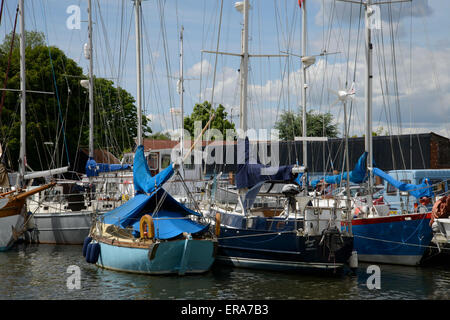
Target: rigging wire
{"type": "Point", "coordinates": [9, 59]}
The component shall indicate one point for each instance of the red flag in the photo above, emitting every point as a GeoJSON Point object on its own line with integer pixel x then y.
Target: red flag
{"type": "Point", "coordinates": [300, 2]}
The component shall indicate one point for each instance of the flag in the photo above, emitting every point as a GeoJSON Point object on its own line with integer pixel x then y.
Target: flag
{"type": "Point", "coordinates": [300, 3]}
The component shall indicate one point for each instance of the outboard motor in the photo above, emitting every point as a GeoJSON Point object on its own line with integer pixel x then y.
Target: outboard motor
{"type": "Point", "coordinates": [290, 191]}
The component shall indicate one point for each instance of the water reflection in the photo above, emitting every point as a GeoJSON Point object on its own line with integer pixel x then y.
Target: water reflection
{"type": "Point", "coordinates": [40, 272]}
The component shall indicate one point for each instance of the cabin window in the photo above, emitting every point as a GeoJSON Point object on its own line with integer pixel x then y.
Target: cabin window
{"type": "Point", "coordinates": [165, 161]}
{"type": "Point", "coordinates": [152, 161]}
{"type": "Point", "coordinates": [391, 190]}
{"type": "Point", "coordinates": [438, 186]}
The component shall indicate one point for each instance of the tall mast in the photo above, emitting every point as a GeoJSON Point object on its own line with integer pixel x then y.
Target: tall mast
{"type": "Point", "coordinates": [22, 96]}
{"type": "Point", "coordinates": [368, 144]}
{"type": "Point", "coordinates": [244, 70]}
{"type": "Point", "coordinates": [305, 86]}
{"type": "Point", "coordinates": [181, 88]}
{"type": "Point", "coordinates": [137, 8]}
{"type": "Point", "coordinates": [91, 85]}
{"type": "Point", "coordinates": [368, 95]}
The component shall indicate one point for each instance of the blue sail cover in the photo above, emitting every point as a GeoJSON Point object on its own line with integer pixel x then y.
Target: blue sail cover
{"type": "Point", "coordinates": [172, 217]}
{"type": "Point", "coordinates": [357, 175]}
{"type": "Point", "coordinates": [416, 190]}
{"type": "Point", "coordinates": [249, 174]}
{"type": "Point", "coordinates": [93, 168]}
{"type": "Point", "coordinates": [170, 221]}
{"type": "Point", "coordinates": [142, 178]}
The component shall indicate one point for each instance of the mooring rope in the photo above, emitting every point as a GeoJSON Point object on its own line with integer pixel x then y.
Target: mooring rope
{"type": "Point", "coordinates": [401, 243]}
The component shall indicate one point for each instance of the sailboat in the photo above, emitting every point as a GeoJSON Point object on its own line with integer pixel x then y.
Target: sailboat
{"type": "Point", "coordinates": [152, 233]}
{"type": "Point", "coordinates": [298, 237]}
{"type": "Point", "coordinates": [13, 214]}
{"type": "Point", "coordinates": [379, 237]}
{"type": "Point", "coordinates": [64, 214]}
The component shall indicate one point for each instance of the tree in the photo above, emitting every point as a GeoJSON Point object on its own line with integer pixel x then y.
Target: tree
{"type": "Point", "coordinates": [202, 112]}
{"type": "Point", "coordinates": [160, 136]}
{"type": "Point", "coordinates": [290, 125]}
{"type": "Point", "coordinates": [115, 117]}
{"type": "Point", "coordinates": [49, 69]}
{"type": "Point", "coordinates": [32, 39]}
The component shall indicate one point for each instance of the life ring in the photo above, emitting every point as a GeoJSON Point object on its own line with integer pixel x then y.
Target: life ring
{"type": "Point", "coordinates": [146, 227]}
{"type": "Point", "coordinates": [217, 229]}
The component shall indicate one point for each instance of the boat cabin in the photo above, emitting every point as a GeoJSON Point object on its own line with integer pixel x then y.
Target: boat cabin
{"type": "Point", "coordinates": [402, 200]}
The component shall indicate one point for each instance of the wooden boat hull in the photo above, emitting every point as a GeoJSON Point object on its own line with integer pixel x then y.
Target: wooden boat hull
{"type": "Point", "coordinates": [184, 256]}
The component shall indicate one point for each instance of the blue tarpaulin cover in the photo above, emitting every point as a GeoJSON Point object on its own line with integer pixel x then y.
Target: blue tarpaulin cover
{"type": "Point", "coordinates": [250, 173]}
{"type": "Point", "coordinates": [416, 190]}
{"type": "Point", "coordinates": [93, 168]}
{"type": "Point", "coordinates": [148, 199]}
{"type": "Point", "coordinates": [142, 178]}
{"type": "Point", "coordinates": [357, 175]}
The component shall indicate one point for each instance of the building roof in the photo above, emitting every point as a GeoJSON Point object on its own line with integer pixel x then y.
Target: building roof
{"type": "Point", "coordinates": [151, 144]}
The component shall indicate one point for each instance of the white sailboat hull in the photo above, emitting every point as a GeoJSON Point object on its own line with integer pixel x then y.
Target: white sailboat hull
{"type": "Point", "coordinates": [63, 227]}
{"type": "Point", "coordinates": [6, 227]}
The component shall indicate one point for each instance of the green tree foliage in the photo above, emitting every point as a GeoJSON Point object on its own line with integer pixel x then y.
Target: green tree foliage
{"type": "Point", "coordinates": [290, 125]}
{"type": "Point", "coordinates": [115, 112]}
{"type": "Point", "coordinates": [115, 117]}
{"type": "Point", "coordinates": [160, 136]}
{"type": "Point", "coordinates": [202, 112]}
{"type": "Point", "coordinates": [32, 39]}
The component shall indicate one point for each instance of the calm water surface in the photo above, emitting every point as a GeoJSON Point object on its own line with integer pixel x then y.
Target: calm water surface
{"type": "Point", "coordinates": [40, 272]}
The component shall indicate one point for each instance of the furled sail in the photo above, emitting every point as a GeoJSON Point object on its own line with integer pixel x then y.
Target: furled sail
{"type": "Point", "coordinates": [250, 173]}
{"type": "Point", "coordinates": [357, 175]}
{"type": "Point", "coordinates": [417, 190]}
{"type": "Point", "coordinates": [4, 180]}
{"type": "Point", "coordinates": [93, 168]}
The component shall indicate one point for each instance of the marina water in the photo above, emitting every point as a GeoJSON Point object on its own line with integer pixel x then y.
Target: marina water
{"type": "Point", "coordinates": [43, 272]}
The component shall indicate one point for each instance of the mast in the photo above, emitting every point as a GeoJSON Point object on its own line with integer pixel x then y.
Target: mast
{"type": "Point", "coordinates": [137, 8]}
{"type": "Point", "coordinates": [368, 144]}
{"type": "Point", "coordinates": [91, 85]}
{"type": "Point", "coordinates": [22, 97]}
{"type": "Point", "coordinates": [305, 86]}
{"type": "Point", "coordinates": [181, 88]}
{"type": "Point", "coordinates": [244, 70]}
{"type": "Point", "coordinates": [368, 96]}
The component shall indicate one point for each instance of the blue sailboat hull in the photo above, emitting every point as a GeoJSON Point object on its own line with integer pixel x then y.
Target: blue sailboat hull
{"type": "Point", "coordinates": [182, 256]}
{"type": "Point", "coordinates": [400, 239]}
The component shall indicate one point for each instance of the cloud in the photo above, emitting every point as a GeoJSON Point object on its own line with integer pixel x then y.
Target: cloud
{"type": "Point", "coordinates": [200, 69]}
{"type": "Point", "coordinates": [342, 11]}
